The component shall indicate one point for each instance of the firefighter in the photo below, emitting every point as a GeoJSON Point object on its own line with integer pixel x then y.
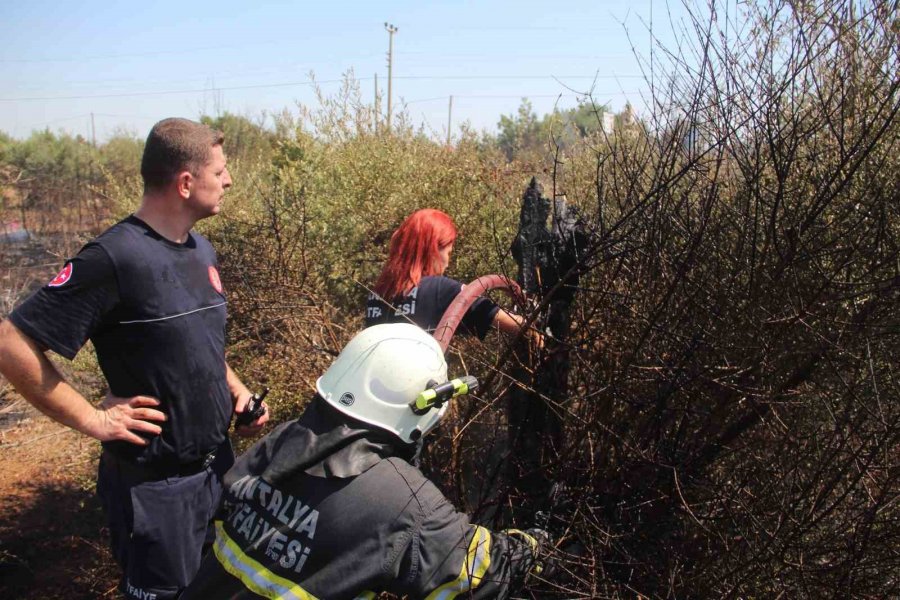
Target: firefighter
{"type": "Point", "coordinates": [329, 506]}
{"type": "Point", "coordinates": [147, 293]}
{"type": "Point", "coordinates": [412, 287]}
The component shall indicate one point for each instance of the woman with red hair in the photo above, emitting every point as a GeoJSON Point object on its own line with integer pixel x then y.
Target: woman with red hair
{"type": "Point", "coordinates": [412, 287]}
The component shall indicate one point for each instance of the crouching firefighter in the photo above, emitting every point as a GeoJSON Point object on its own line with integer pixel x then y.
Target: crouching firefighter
{"type": "Point", "coordinates": [329, 506]}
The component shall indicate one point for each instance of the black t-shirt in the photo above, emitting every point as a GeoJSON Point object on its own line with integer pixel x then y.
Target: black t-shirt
{"type": "Point", "coordinates": [155, 311]}
{"type": "Point", "coordinates": [426, 304]}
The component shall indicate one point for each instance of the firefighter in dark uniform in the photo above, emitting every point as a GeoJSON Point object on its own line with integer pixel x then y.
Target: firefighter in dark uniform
{"type": "Point", "coordinates": [412, 287]}
{"type": "Point", "coordinates": [147, 293]}
{"type": "Point", "coordinates": [329, 507]}
{"type": "Point", "coordinates": [425, 304]}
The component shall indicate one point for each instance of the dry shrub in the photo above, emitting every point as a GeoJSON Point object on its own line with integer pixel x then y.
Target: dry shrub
{"type": "Point", "coordinates": [733, 428]}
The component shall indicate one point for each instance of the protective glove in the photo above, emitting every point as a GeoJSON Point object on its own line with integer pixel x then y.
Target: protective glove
{"type": "Point", "coordinates": [545, 564]}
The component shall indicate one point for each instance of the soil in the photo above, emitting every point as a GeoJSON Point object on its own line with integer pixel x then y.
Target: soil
{"type": "Point", "coordinates": [53, 540]}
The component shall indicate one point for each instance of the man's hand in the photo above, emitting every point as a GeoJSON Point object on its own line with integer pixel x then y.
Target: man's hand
{"type": "Point", "coordinates": [254, 427]}
{"type": "Point", "coordinates": [544, 563]}
{"type": "Point", "coordinates": [118, 418]}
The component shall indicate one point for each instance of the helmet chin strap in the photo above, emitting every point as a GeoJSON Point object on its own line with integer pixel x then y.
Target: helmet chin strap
{"type": "Point", "coordinates": [421, 431]}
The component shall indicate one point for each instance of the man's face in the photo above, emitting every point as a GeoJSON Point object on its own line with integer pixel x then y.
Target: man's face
{"type": "Point", "coordinates": [209, 185]}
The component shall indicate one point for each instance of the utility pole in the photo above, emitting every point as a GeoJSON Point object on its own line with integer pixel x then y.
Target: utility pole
{"type": "Point", "coordinates": [449, 118]}
{"type": "Point", "coordinates": [377, 104]}
{"type": "Point", "coordinates": [391, 31]}
{"type": "Point", "coordinates": [93, 132]}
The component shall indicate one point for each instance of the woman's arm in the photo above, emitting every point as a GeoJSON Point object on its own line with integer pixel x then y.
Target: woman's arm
{"type": "Point", "coordinates": [512, 324]}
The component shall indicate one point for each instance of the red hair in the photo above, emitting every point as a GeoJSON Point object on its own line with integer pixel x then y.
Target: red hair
{"type": "Point", "coordinates": [414, 253]}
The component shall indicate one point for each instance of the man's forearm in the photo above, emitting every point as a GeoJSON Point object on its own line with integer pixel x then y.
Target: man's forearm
{"type": "Point", "coordinates": [235, 385]}
{"type": "Point", "coordinates": [33, 375]}
{"type": "Point", "coordinates": [240, 396]}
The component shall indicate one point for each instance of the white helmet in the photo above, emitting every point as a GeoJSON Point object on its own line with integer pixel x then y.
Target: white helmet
{"type": "Point", "coordinates": [380, 373]}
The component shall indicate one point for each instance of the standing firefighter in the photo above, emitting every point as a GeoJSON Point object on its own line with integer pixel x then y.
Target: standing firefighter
{"type": "Point", "coordinates": [147, 293]}
{"type": "Point", "coordinates": [328, 506]}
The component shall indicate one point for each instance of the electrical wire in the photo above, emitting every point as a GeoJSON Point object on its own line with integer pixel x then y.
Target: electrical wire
{"type": "Point", "coordinates": [309, 83]}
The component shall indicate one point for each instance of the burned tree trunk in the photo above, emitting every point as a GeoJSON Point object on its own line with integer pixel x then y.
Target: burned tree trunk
{"type": "Point", "coordinates": [547, 259]}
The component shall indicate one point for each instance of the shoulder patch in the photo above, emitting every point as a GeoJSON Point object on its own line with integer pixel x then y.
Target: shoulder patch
{"type": "Point", "coordinates": [62, 277]}
{"type": "Point", "coordinates": [214, 279]}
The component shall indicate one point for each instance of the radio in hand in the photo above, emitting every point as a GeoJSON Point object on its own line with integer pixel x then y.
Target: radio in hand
{"type": "Point", "coordinates": [253, 410]}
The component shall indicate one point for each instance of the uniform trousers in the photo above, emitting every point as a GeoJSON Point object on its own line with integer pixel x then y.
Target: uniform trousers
{"type": "Point", "coordinates": [160, 519]}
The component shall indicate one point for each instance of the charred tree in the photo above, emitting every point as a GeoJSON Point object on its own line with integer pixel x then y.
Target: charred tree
{"type": "Point", "coordinates": [548, 260]}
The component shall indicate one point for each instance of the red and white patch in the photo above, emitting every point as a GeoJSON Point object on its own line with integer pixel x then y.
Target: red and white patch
{"type": "Point", "coordinates": [62, 277]}
{"type": "Point", "coordinates": [214, 279]}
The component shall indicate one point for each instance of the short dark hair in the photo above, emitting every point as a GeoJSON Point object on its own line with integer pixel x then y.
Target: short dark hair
{"type": "Point", "coordinates": [175, 145]}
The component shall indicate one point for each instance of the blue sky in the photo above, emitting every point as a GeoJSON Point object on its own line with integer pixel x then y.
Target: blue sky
{"type": "Point", "coordinates": [131, 64]}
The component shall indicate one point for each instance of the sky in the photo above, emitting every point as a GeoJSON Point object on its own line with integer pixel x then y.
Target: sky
{"type": "Point", "coordinates": [130, 64]}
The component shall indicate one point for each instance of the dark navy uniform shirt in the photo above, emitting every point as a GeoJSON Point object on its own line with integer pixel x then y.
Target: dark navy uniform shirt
{"type": "Point", "coordinates": [155, 312]}
{"type": "Point", "coordinates": [426, 304]}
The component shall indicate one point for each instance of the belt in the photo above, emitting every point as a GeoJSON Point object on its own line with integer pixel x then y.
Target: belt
{"type": "Point", "coordinates": [154, 471]}
{"type": "Point", "coordinates": [194, 467]}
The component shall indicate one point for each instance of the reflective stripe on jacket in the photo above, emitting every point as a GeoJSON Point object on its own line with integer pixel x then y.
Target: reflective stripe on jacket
{"type": "Point", "coordinates": [385, 529]}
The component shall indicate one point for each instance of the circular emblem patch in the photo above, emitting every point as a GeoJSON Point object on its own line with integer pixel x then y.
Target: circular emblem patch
{"type": "Point", "coordinates": [347, 399]}
{"type": "Point", "coordinates": [62, 277]}
{"type": "Point", "coordinates": [214, 279]}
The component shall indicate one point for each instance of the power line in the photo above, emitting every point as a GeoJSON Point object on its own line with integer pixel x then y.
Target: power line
{"type": "Point", "coordinates": [223, 74]}
{"type": "Point", "coordinates": [508, 96]}
{"type": "Point", "coordinates": [169, 92]}
{"type": "Point", "coordinates": [508, 77]}
{"type": "Point", "coordinates": [184, 51]}
{"type": "Point", "coordinates": [307, 83]}
{"type": "Point", "coordinates": [46, 123]}
{"type": "Point", "coordinates": [517, 55]}
{"type": "Point", "coordinates": [63, 119]}
{"type": "Point", "coordinates": [505, 28]}
{"type": "Point", "coordinates": [180, 52]}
